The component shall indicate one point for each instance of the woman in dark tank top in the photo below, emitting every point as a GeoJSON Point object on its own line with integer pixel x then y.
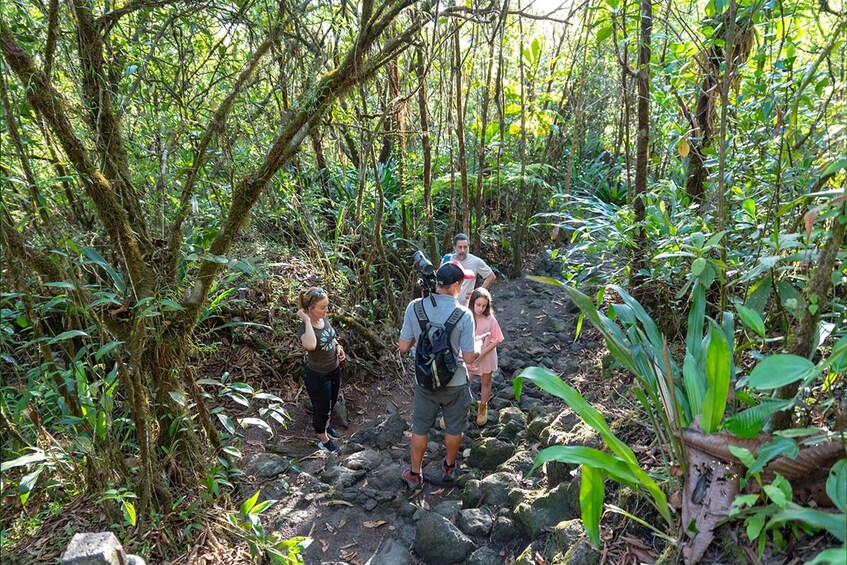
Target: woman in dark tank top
{"type": "Point", "coordinates": [322, 371]}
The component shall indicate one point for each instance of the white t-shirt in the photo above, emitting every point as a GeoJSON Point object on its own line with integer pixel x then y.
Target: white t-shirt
{"type": "Point", "coordinates": [479, 268]}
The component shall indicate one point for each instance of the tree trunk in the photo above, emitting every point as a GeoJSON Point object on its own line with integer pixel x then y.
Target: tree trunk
{"type": "Point", "coordinates": [642, 156]}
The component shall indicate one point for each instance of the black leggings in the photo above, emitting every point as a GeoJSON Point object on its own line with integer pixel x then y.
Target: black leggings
{"type": "Point", "coordinates": [323, 390]}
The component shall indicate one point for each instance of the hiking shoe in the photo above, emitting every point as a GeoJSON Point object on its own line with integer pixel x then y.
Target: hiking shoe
{"type": "Point", "coordinates": [481, 414]}
{"type": "Point", "coordinates": [448, 472]}
{"type": "Point", "coordinates": [413, 480]}
{"type": "Point", "coordinates": [332, 433]}
{"type": "Point", "coordinates": [327, 446]}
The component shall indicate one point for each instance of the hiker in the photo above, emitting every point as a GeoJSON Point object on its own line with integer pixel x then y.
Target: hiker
{"type": "Point", "coordinates": [453, 399]}
{"type": "Point", "coordinates": [322, 370]}
{"type": "Point", "coordinates": [485, 324]}
{"type": "Point", "coordinates": [472, 263]}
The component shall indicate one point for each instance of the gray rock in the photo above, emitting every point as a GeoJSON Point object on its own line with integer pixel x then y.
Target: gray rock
{"type": "Point", "coordinates": [505, 530]}
{"type": "Point", "coordinates": [580, 434]}
{"type": "Point", "coordinates": [475, 522]}
{"type": "Point", "coordinates": [391, 552]}
{"type": "Point", "coordinates": [488, 453]}
{"type": "Point", "coordinates": [340, 415]}
{"type": "Point", "coordinates": [382, 432]}
{"type": "Point", "coordinates": [582, 553]}
{"type": "Point", "coordinates": [101, 548]}
{"type": "Point", "coordinates": [511, 416]}
{"type": "Point", "coordinates": [518, 464]}
{"type": "Point", "coordinates": [539, 512]}
{"type": "Point", "coordinates": [568, 533]}
{"type": "Point", "coordinates": [438, 541]}
{"type": "Point", "coordinates": [341, 477]}
{"type": "Point", "coordinates": [527, 557]}
{"type": "Point", "coordinates": [269, 465]}
{"type": "Point", "coordinates": [493, 489]}
{"type": "Point", "coordinates": [367, 459]}
{"type": "Point", "coordinates": [484, 556]}
{"type": "Point", "coordinates": [558, 473]}
{"type": "Point", "coordinates": [449, 509]}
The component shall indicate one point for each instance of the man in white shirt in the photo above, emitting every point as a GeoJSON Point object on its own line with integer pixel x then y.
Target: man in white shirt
{"type": "Point", "coordinates": [470, 262]}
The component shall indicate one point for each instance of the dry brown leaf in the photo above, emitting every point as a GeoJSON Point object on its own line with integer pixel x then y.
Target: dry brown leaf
{"type": "Point", "coordinates": [439, 491]}
{"type": "Point", "coordinates": [424, 504]}
{"type": "Point", "coordinates": [324, 545]}
{"type": "Point", "coordinates": [374, 524]}
{"type": "Point", "coordinates": [342, 523]}
{"type": "Point", "coordinates": [349, 545]}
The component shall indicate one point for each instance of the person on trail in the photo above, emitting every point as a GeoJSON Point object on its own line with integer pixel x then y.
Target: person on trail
{"type": "Point", "coordinates": [486, 325]}
{"type": "Point", "coordinates": [322, 370]}
{"type": "Point", "coordinates": [472, 263]}
{"type": "Point", "coordinates": [454, 399]}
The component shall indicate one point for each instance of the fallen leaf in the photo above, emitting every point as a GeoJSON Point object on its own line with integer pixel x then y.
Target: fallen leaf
{"type": "Point", "coordinates": [424, 504]}
{"type": "Point", "coordinates": [439, 491]}
{"type": "Point", "coordinates": [349, 545]}
{"type": "Point", "coordinates": [374, 524]}
{"type": "Point", "coordinates": [342, 523]}
{"type": "Point", "coordinates": [324, 545]}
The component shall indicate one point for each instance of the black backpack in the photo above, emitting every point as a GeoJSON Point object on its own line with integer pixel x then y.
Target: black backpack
{"type": "Point", "coordinates": [435, 363]}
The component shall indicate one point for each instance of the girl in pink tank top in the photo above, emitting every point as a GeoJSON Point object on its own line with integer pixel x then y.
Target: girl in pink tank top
{"type": "Point", "coordinates": [484, 324]}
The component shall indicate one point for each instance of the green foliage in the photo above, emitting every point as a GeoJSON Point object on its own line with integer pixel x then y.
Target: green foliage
{"type": "Point", "coordinates": [621, 466]}
{"type": "Point", "coordinates": [265, 545]}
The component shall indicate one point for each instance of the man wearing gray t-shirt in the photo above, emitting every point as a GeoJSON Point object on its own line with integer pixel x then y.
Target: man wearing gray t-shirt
{"type": "Point", "coordinates": [453, 400]}
{"type": "Point", "coordinates": [472, 263]}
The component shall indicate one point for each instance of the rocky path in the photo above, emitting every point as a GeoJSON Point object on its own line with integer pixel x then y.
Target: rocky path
{"type": "Point", "coordinates": [357, 510]}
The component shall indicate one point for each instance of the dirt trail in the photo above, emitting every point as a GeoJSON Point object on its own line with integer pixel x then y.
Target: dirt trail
{"type": "Point", "coordinates": [353, 504]}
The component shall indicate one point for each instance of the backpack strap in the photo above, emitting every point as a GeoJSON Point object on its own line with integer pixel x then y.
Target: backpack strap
{"type": "Point", "coordinates": [420, 313]}
{"type": "Point", "coordinates": [453, 320]}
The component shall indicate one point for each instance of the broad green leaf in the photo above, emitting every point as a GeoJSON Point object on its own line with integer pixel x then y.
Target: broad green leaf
{"type": "Point", "coordinates": [831, 556]}
{"type": "Point", "coordinates": [604, 33]}
{"type": "Point", "coordinates": [775, 495]}
{"type": "Point", "coordinates": [177, 397]}
{"type": "Point", "coordinates": [27, 484]}
{"type": "Point", "coordinates": [751, 319]}
{"type": "Point", "coordinates": [743, 455]}
{"type": "Point", "coordinates": [836, 485]}
{"type": "Point", "coordinates": [592, 491]}
{"type": "Point", "coordinates": [749, 422]}
{"type": "Point", "coordinates": [835, 166]}
{"type": "Point", "coordinates": [23, 460]}
{"type": "Point", "coordinates": [755, 524]}
{"type": "Point", "coordinates": [248, 504]}
{"type": "Point", "coordinates": [227, 422]}
{"type": "Point", "coordinates": [129, 512]}
{"type": "Point", "coordinates": [262, 506]}
{"type": "Point", "coordinates": [255, 422]}
{"type": "Point", "coordinates": [70, 334]}
{"type": "Point", "coordinates": [718, 372]}
{"type": "Point", "coordinates": [106, 348]}
{"type": "Point", "coordinates": [695, 386]}
{"type": "Point", "coordinates": [551, 383]}
{"type": "Point", "coordinates": [774, 448]}
{"type": "Point", "coordinates": [835, 524]}
{"type": "Point", "coordinates": [580, 455]}
{"type": "Point", "coordinates": [242, 388]}
{"type": "Point", "coordinates": [696, 318]}
{"type": "Point", "coordinates": [698, 265]}
{"type": "Point", "coordinates": [779, 370]}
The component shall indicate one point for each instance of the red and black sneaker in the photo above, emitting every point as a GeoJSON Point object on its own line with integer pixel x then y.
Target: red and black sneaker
{"type": "Point", "coordinates": [448, 472]}
{"type": "Point", "coordinates": [413, 480]}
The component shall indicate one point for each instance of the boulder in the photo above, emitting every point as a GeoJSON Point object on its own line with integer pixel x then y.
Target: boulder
{"type": "Point", "coordinates": [488, 453]}
{"type": "Point", "coordinates": [391, 552]}
{"type": "Point", "coordinates": [438, 541]}
{"type": "Point", "coordinates": [518, 464]}
{"type": "Point", "coordinates": [484, 556]}
{"type": "Point", "coordinates": [269, 465]}
{"type": "Point", "coordinates": [475, 522]}
{"type": "Point", "coordinates": [567, 534]}
{"type": "Point", "coordinates": [582, 553]}
{"type": "Point", "coordinates": [381, 432]}
{"type": "Point", "coordinates": [493, 490]}
{"type": "Point", "coordinates": [505, 529]}
{"type": "Point", "coordinates": [449, 509]}
{"type": "Point", "coordinates": [368, 459]}
{"type": "Point", "coordinates": [540, 512]}
{"type": "Point", "coordinates": [341, 477]}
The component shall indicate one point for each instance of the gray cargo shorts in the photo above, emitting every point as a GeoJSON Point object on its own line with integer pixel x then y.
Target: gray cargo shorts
{"type": "Point", "coordinates": [453, 401]}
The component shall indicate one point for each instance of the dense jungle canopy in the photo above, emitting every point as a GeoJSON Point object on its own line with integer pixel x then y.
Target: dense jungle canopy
{"type": "Point", "coordinates": [159, 157]}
